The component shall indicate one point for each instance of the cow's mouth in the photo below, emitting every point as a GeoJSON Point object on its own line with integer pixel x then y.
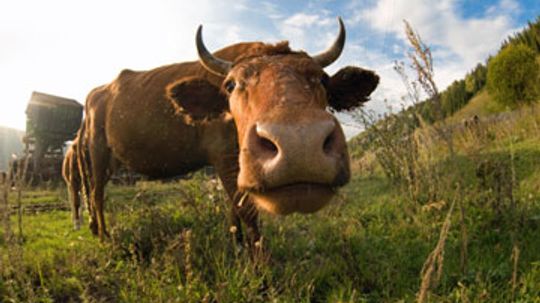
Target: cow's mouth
{"type": "Point", "coordinates": [295, 197]}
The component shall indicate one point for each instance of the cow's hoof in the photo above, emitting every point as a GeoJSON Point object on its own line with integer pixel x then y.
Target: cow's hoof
{"type": "Point", "coordinates": [76, 225]}
{"type": "Point", "coordinates": [94, 228]}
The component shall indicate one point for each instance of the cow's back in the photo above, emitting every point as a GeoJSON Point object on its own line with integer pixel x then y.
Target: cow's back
{"type": "Point", "coordinates": [141, 126]}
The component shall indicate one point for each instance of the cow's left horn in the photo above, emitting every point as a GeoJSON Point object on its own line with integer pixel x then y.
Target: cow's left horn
{"type": "Point", "coordinates": [211, 63]}
{"type": "Point", "coordinates": [330, 55]}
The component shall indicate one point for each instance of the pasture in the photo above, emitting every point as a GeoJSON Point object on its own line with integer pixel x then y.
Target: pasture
{"type": "Point", "coordinates": [170, 242]}
{"type": "Point", "coordinates": [438, 202]}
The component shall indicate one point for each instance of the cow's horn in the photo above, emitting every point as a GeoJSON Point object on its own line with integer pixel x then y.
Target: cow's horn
{"type": "Point", "coordinates": [331, 54]}
{"type": "Point", "coordinates": [211, 63]}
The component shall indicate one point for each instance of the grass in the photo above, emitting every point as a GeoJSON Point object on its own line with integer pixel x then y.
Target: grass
{"type": "Point", "coordinates": [368, 248]}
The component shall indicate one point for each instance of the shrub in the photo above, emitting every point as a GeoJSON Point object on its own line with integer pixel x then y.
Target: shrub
{"type": "Point", "coordinates": [513, 76]}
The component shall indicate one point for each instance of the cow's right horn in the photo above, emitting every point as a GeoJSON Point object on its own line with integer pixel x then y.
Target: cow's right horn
{"type": "Point", "coordinates": [215, 65]}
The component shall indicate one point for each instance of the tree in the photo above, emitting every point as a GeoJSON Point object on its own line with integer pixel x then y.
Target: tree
{"type": "Point", "coordinates": [455, 97]}
{"type": "Point", "coordinates": [476, 79]}
{"type": "Point", "coordinates": [513, 76]}
{"type": "Point", "coordinates": [530, 36]}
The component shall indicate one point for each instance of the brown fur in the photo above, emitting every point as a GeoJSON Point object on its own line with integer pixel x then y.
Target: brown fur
{"type": "Point", "coordinates": [175, 119]}
{"type": "Point", "coordinates": [70, 173]}
{"type": "Point", "coordinates": [77, 179]}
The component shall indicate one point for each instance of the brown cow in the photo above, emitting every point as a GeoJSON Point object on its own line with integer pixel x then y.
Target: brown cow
{"type": "Point", "coordinates": [78, 178]}
{"type": "Point", "coordinates": [77, 186]}
{"type": "Point", "coordinates": [70, 172]}
{"type": "Point", "coordinates": [256, 112]}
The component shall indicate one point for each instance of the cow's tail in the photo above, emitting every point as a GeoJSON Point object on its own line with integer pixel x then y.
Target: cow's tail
{"type": "Point", "coordinates": [84, 165]}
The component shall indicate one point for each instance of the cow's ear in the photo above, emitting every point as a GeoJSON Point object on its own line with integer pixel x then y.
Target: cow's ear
{"type": "Point", "coordinates": [196, 98]}
{"type": "Point", "coordinates": [350, 87]}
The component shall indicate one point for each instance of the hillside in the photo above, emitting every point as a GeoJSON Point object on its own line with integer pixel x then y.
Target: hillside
{"type": "Point", "coordinates": [481, 105]}
{"type": "Point", "coordinates": [488, 169]}
{"type": "Point", "coordinates": [10, 143]}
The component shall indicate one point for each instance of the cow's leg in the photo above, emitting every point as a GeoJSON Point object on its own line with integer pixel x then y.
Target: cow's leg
{"type": "Point", "coordinates": [75, 205]}
{"type": "Point", "coordinates": [242, 209]}
{"type": "Point", "coordinates": [236, 226]}
{"type": "Point", "coordinates": [70, 173]}
{"type": "Point", "coordinates": [75, 187]}
{"type": "Point", "coordinates": [99, 159]}
{"type": "Point", "coordinates": [249, 214]}
{"type": "Point", "coordinates": [92, 219]}
{"type": "Point", "coordinates": [87, 184]}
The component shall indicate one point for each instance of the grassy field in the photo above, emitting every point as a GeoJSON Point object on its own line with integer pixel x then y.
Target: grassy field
{"type": "Point", "coordinates": [462, 237]}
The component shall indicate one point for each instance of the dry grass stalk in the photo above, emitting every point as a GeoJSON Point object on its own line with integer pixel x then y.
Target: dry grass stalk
{"type": "Point", "coordinates": [5, 209]}
{"type": "Point", "coordinates": [422, 62]}
{"type": "Point", "coordinates": [186, 239]}
{"type": "Point", "coordinates": [515, 260]}
{"type": "Point", "coordinates": [434, 262]}
{"type": "Point", "coordinates": [464, 239]}
{"type": "Point", "coordinates": [463, 293]}
{"type": "Point", "coordinates": [20, 185]}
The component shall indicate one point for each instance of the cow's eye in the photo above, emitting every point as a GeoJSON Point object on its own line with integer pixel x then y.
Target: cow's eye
{"type": "Point", "coordinates": [230, 85]}
{"type": "Point", "coordinates": [325, 80]}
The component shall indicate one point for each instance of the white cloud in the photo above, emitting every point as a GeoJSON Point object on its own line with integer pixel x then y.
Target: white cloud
{"type": "Point", "coordinates": [310, 32]}
{"type": "Point", "coordinates": [457, 43]}
{"type": "Point", "coordinates": [301, 20]}
{"type": "Point", "coordinates": [440, 24]}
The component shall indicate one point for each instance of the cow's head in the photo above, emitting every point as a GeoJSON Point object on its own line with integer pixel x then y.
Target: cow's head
{"type": "Point", "coordinates": [293, 153]}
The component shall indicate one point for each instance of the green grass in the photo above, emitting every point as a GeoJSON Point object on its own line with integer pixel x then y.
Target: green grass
{"type": "Point", "coordinates": [368, 247]}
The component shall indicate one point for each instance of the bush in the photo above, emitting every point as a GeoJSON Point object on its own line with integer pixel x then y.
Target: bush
{"type": "Point", "coordinates": [513, 76]}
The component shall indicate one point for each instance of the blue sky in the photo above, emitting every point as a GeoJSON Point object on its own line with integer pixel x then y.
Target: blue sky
{"type": "Point", "coordinates": [67, 47]}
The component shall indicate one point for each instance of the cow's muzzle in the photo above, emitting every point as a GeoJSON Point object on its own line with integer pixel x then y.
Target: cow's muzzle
{"type": "Point", "coordinates": [294, 165]}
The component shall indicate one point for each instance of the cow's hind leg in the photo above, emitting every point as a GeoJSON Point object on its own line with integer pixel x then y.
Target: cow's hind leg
{"type": "Point", "coordinates": [75, 188]}
{"type": "Point", "coordinates": [86, 187]}
{"type": "Point", "coordinates": [99, 158]}
{"type": "Point", "coordinates": [75, 206]}
{"type": "Point", "coordinates": [69, 173]}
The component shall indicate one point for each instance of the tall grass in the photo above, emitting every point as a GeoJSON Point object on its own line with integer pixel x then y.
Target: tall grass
{"type": "Point", "coordinates": [430, 164]}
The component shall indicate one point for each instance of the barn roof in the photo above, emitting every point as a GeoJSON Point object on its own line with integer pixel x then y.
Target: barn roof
{"type": "Point", "coordinates": [42, 99]}
{"type": "Point", "coordinates": [49, 116]}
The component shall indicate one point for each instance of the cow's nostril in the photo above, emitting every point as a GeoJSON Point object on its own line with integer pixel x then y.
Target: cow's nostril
{"type": "Point", "coordinates": [267, 146]}
{"type": "Point", "coordinates": [328, 144]}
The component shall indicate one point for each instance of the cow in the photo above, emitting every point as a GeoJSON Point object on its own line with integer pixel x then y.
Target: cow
{"type": "Point", "coordinates": [77, 176]}
{"type": "Point", "coordinates": [70, 173]}
{"type": "Point", "coordinates": [261, 114]}
{"type": "Point", "coordinates": [76, 189]}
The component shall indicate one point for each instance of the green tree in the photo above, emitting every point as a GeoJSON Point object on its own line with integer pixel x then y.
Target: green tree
{"type": "Point", "coordinates": [455, 97]}
{"type": "Point", "coordinates": [513, 76]}
{"type": "Point", "coordinates": [476, 79]}
{"type": "Point", "coordinates": [530, 36]}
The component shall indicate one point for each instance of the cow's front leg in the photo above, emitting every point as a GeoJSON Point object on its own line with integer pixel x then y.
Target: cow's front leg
{"type": "Point", "coordinates": [242, 210]}
{"type": "Point", "coordinates": [249, 214]}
